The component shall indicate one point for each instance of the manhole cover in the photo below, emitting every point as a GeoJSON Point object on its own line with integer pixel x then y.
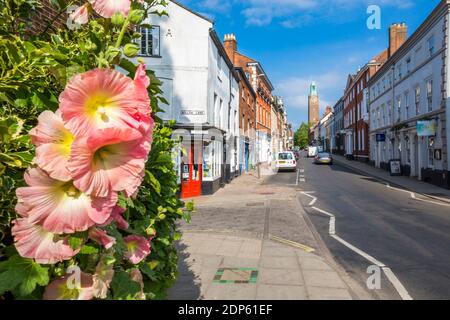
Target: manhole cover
{"type": "Point", "coordinates": [236, 276]}
{"type": "Point", "coordinates": [255, 204]}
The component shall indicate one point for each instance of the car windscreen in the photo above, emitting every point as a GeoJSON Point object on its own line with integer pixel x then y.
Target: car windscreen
{"type": "Point", "coordinates": [324, 155]}
{"type": "Point", "coordinates": [285, 156]}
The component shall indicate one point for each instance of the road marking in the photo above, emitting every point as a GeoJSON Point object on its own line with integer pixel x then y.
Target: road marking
{"type": "Point", "coordinates": [413, 196]}
{"type": "Point", "coordinates": [401, 290]}
{"type": "Point", "coordinates": [292, 243]}
{"type": "Point", "coordinates": [298, 173]}
{"type": "Point", "coordinates": [314, 199]}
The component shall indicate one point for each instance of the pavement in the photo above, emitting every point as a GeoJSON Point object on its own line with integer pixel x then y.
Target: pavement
{"type": "Point", "coordinates": [252, 240]}
{"type": "Point", "coordinates": [411, 184]}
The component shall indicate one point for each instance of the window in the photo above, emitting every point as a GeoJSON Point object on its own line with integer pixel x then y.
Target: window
{"type": "Point", "coordinates": [399, 109]}
{"type": "Point", "coordinates": [406, 105]}
{"type": "Point", "coordinates": [390, 117]}
{"type": "Point", "coordinates": [408, 149]}
{"type": "Point", "coordinates": [150, 41]}
{"type": "Point", "coordinates": [221, 114]}
{"type": "Point", "coordinates": [431, 45]}
{"type": "Point", "coordinates": [417, 100]}
{"type": "Point", "coordinates": [408, 65]}
{"type": "Point", "coordinates": [399, 70]}
{"type": "Point", "coordinates": [430, 95]}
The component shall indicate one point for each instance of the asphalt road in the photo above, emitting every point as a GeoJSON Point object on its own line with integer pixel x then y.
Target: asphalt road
{"type": "Point", "coordinates": [411, 237]}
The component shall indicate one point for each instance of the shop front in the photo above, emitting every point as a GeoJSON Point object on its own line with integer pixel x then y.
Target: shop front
{"type": "Point", "coordinates": [198, 161]}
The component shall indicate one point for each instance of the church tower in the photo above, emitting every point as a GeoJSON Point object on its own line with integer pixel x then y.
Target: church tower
{"type": "Point", "coordinates": [313, 105]}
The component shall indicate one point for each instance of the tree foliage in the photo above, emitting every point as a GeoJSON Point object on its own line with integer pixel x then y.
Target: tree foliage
{"type": "Point", "coordinates": [301, 136]}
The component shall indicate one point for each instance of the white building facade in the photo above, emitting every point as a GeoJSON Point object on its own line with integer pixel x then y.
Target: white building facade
{"type": "Point", "coordinates": [202, 89]}
{"type": "Point", "coordinates": [409, 104]}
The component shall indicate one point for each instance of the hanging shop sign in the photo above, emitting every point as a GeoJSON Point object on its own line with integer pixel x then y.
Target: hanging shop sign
{"type": "Point", "coordinates": [426, 128]}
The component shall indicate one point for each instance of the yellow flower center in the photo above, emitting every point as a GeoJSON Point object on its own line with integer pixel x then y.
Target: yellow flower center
{"type": "Point", "coordinates": [97, 106]}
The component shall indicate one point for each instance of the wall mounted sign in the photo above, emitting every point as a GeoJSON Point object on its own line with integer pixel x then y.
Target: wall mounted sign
{"type": "Point", "coordinates": [426, 128]}
{"type": "Point", "coordinates": [381, 137]}
{"type": "Point", "coordinates": [192, 113]}
{"type": "Point", "coordinates": [395, 167]}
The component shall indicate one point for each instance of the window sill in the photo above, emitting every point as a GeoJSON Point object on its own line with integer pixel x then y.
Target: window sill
{"type": "Point", "coordinates": [148, 56]}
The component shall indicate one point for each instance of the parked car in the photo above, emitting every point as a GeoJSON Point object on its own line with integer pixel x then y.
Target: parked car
{"type": "Point", "coordinates": [323, 158]}
{"type": "Point", "coordinates": [286, 161]}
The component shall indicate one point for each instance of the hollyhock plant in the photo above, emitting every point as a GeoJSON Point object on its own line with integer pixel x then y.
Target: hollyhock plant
{"type": "Point", "coordinates": [60, 207]}
{"type": "Point", "coordinates": [136, 276]}
{"type": "Point", "coordinates": [33, 242]}
{"type": "Point", "coordinates": [138, 248]}
{"type": "Point", "coordinates": [101, 237]}
{"type": "Point", "coordinates": [109, 160]}
{"type": "Point", "coordinates": [104, 98]}
{"type": "Point", "coordinates": [59, 289]}
{"type": "Point", "coordinates": [53, 142]}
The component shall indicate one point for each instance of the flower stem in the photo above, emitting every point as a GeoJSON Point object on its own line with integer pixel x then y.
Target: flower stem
{"type": "Point", "coordinates": [122, 32]}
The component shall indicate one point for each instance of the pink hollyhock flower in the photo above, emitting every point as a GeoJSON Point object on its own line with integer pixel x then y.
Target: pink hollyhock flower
{"type": "Point", "coordinates": [60, 207]}
{"type": "Point", "coordinates": [52, 141]}
{"type": "Point", "coordinates": [104, 98]}
{"type": "Point", "coordinates": [138, 248]}
{"type": "Point", "coordinates": [101, 237]}
{"type": "Point", "coordinates": [136, 276]}
{"type": "Point", "coordinates": [33, 242]}
{"type": "Point", "coordinates": [64, 289]}
{"type": "Point", "coordinates": [107, 8]}
{"type": "Point", "coordinates": [117, 217]}
{"type": "Point", "coordinates": [103, 276]}
{"type": "Point", "coordinates": [80, 15]}
{"type": "Point", "coordinates": [109, 160]}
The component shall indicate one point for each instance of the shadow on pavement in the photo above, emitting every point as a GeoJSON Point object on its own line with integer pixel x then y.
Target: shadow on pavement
{"type": "Point", "coordinates": [187, 285]}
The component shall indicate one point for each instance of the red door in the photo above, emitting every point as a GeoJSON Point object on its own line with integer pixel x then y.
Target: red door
{"type": "Point", "coordinates": [191, 173]}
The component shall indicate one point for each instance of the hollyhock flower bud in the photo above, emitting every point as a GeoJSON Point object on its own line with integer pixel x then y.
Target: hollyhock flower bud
{"type": "Point", "coordinates": [64, 289]}
{"type": "Point", "coordinates": [80, 15]}
{"type": "Point", "coordinates": [136, 276]}
{"type": "Point", "coordinates": [131, 49]}
{"type": "Point", "coordinates": [138, 248]}
{"type": "Point", "coordinates": [118, 19]}
{"type": "Point", "coordinates": [136, 16]}
{"type": "Point", "coordinates": [101, 237]}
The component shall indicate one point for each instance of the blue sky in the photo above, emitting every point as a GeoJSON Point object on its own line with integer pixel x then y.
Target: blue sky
{"type": "Point", "coordinates": [298, 41]}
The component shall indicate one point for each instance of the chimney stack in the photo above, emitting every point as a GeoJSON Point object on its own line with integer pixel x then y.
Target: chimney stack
{"type": "Point", "coordinates": [398, 33]}
{"type": "Point", "coordinates": [230, 45]}
{"type": "Point", "coordinates": [328, 110]}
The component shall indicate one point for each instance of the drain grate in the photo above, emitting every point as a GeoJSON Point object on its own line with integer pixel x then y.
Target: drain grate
{"type": "Point", "coordinates": [236, 276]}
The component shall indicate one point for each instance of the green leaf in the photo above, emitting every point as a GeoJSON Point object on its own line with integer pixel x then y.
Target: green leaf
{"type": "Point", "coordinates": [22, 274]}
{"type": "Point", "coordinates": [76, 241]}
{"type": "Point", "coordinates": [154, 183]}
{"type": "Point", "coordinates": [88, 250]}
{"type": "Point", "coordinates": [123, 287]}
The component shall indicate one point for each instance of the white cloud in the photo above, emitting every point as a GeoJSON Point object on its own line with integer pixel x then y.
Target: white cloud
{"type": "Point", "coordinates": [292, 13]}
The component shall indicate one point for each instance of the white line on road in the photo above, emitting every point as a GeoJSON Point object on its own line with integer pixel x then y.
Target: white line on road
{"type": "Point", "coordinates": [314, 199]}
{"type": "Point", "coordinates": [413, 196]}
{"type": "Point", "coordinates": [298, 173]}
{"type": "Point", "coordinates": [401, 290]}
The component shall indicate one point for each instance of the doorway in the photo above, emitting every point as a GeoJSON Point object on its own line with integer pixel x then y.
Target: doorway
{"type": "Point", "coordinates": [191, 172]}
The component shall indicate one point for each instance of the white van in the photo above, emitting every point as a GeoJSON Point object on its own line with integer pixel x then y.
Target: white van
{"type": "Point", "coordinates": [312, 152]}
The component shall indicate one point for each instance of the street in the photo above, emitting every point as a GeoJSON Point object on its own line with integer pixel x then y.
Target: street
{"type": "Point", "coordinates": [408, 236]}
